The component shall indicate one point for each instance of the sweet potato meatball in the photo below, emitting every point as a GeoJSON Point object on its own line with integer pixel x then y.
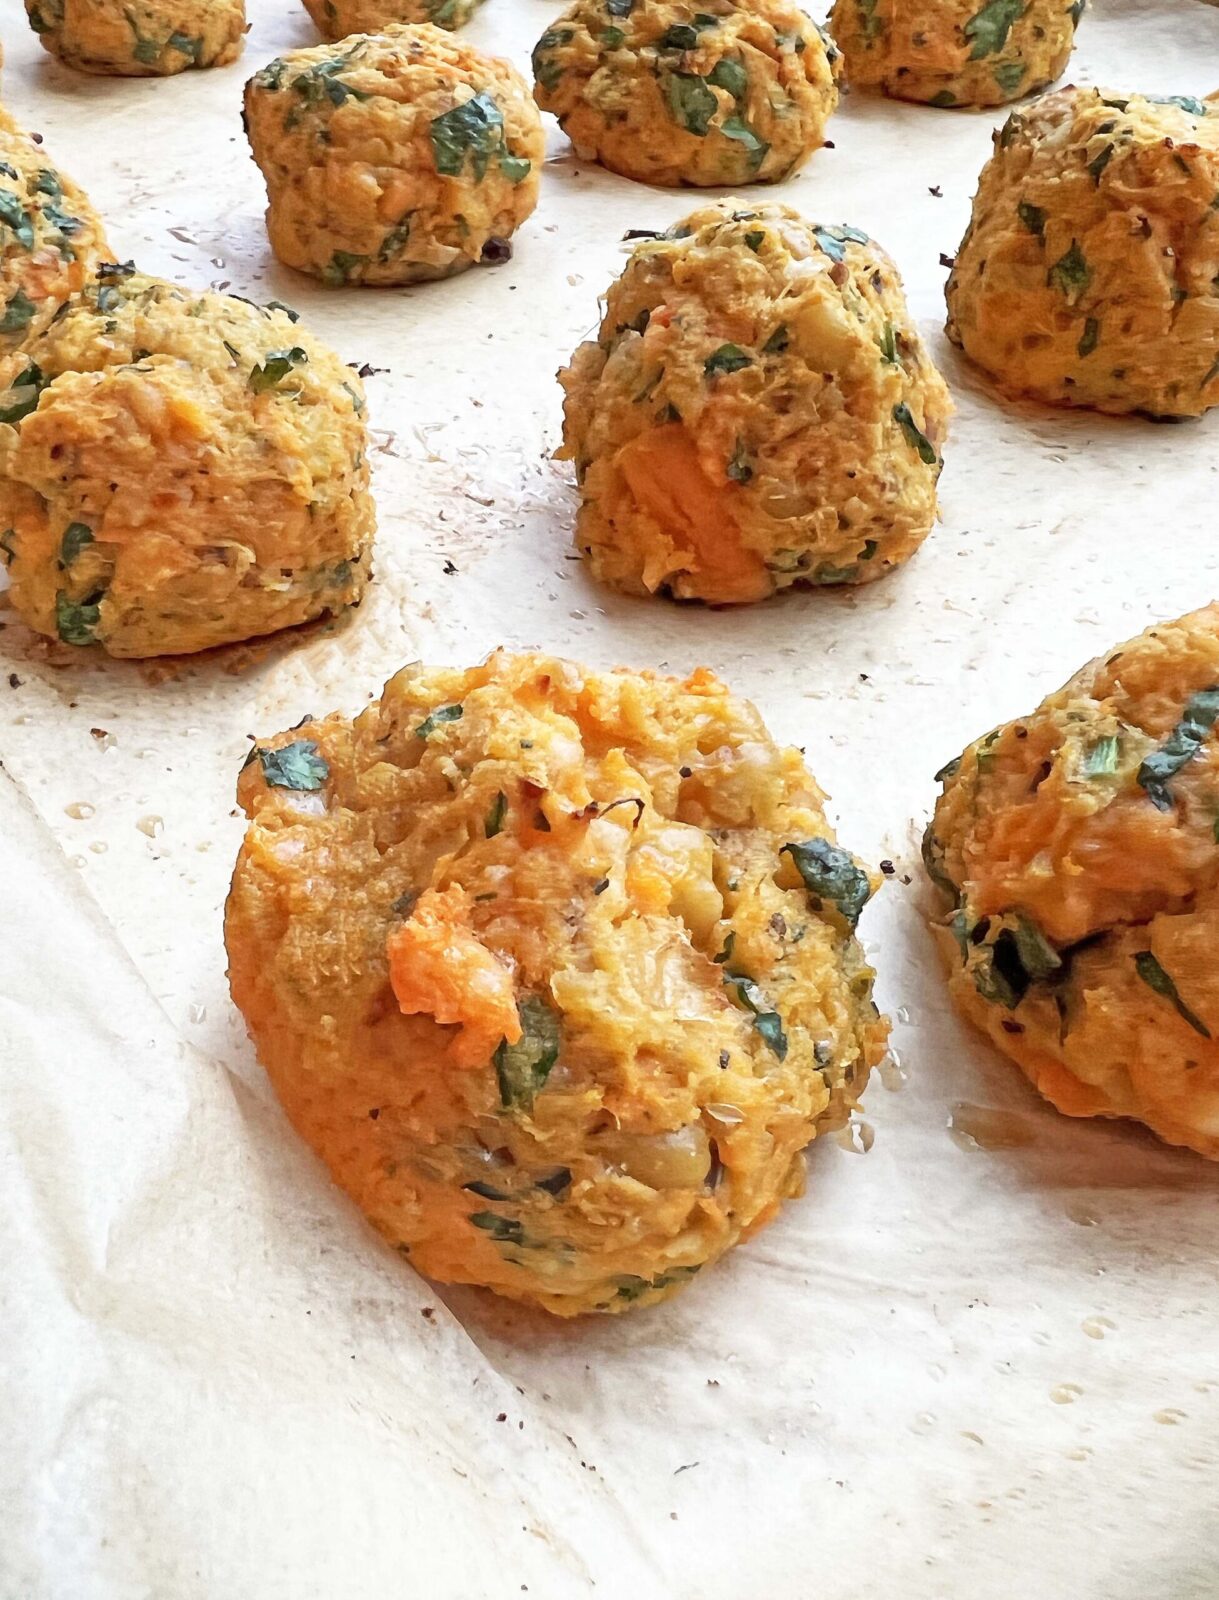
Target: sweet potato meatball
{"type": "Point", "coordinates": [955, 52]}
{"type": "Point", "coordinates": [338, 18]}
{"type": "Point", "coordinates": [179, 470]}
{"type": "Point", "coordinates": [555, 969]}
{"type": "Point", "coordinates": [51, 238]}
{"type": "Point", "coordinates": [736, 93]}
{"type": "Point", "coordinates": [758, 410]}
{"type": "Point", "coordinates": [394, 157]}
{"type": "Point", "coordinates": [1077, 850]}
{"type": "Point", "coordinates": [140, 38]}
{"type": "Point", "coordinates": [1089, 274]}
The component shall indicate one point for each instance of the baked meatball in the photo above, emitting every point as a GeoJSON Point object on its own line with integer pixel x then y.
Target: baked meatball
{"type": "Point", "coordinates": [51, 238]}
{"type": "Point", "coordinates": [338, 18]}
{"type": "Point", "coordinates": [758, 410]}
{"type": "Point", "coordinates": [1077, 849]}
{"type": "Point", "coordinates": [140, 38]}
{"type": "Point", "coordinates": [738, 92]}
{"type": "Point", "coordinates": [394, 157]}
{"type": "Point", "coordinates": [179, 470]}
{"type": "Point", "coordinates": [955, 52]}
{"type": "Point", "coordinates": [555, 969]}
{"type": "Point", "coordinates": [1089, 274]}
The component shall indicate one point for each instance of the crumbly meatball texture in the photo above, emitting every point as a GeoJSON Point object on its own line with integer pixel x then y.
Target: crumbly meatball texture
{"type": "Point", "coordinates": [554, 969]}
{"type": "Point", "coordinates": [51, 238]}
{"type": "Point", "coordinates": [179, 470]}
{"type": "Point", "coordinates": [140, 38]}
{"type": "Point", "coordinates": [394, 157]}
{"type": "Point", "coordinates": [339, 18]}
{"type": "Point", "coordinates": [1078, 848]}
{"type": "Point", "coordinates": [733, 93]}
{"type": "Point", "coordinates": [1089, 274]}
{"type": "Point", "coordinates": [955, 52]}
{"type": "Point", "coordinates": [758, 410]}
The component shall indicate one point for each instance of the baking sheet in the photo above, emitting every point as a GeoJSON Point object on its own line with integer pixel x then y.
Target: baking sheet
{"type": "Point", "coordinates": [983, 1365]}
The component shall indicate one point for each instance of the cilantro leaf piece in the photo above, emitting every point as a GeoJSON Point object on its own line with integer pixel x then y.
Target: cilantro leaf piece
{"type": "Point", "coordinates": [76, 620]}
{"type": "Point", "coordinates": [727, 358]}
{"type": "Point", "coordinates": [1187, 102]}
{"type": "Point", "coordinates": [1032, 218]}
{"type": "Point", "coordinates": [18, 313]}
{"type": "Point", "coordinates": [21, 397]}
{"type": "Point", "coordinates": [1089, 338]}
{"type": "Point", "coordinates": [887, 344]}
{"type": "Point", "coordinates": [691, 102]}
{"type": "Point", "coordinates": [831, 873]}
{"type": "Point", "coordinates": [1101, 758]}
{"type": "Point", "coordinates": [437, 719]}
{"type": "Point", "coordinates": [737, 129]}
{"type": "Point", "coordinates": [299, 765]}
{"type": "Point", "coordinates": [915, 437]}
{"type": "Point", "coordinates": [494, 822]}
{"type": "Point", "coordinates": [185, 45]}
{"type": "Point", "coordinates": [504, 1230]}
{"type": "Point", "coordinates": [277, 365]}
{"type": "Point", "coordinates": [988, 29]}
{"type": "Point", "coordinates": [523, 1068]}
{"type": "Point", "coordinates": [1071, 273]}
{"type": "Point", "coordinates": [778, 341]}
{"type": "Point", "coordinates": [76, 536]}
{"type": "Point", "coordinates": [341, 266]}
{"type": "Point", "coordinates": [473, 130]}
{"type": "Point", "coordinates": [1181, 746]}
{"type": "Point", "coordinates": [731, 77]}
{"type": "Point", "coordinates": [834, 240]}
{"type": "Point", "coordinates": [1009, 75]}
{"type": "Point", "coordinates": [766, 1020]}
{"type": "Point", "coordinates": [1020, 956]}
{"type": "Point", "coordinates": [14, 215]}
{"type": "Point", "coordinates": [1154, 976]}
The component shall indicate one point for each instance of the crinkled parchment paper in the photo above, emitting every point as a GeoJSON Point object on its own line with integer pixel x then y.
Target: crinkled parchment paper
{"type": "Point", "coordinates": [979, 1360]}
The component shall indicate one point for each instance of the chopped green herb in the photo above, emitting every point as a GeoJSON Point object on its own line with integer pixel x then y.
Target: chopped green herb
{"type": "Point", "coordinates": [504, 1230]}
{"type": "Point", "coordinates": [18, 313]}
{"type": "Point", "coordinates": [1070, 273]}
{"type": "Point", "coordinates": [731, 77]}
{"type": "Point", "coordinates": [612, 38]}
{"type": "Point", "coordinates": [341, 266]}
{"type": "Point", "coordinates": [1090, 337]}
{"type": "Point", "coordinates": [515, 168]}
{"type": "Point", "coordinates": [915, 437]}
{"type": "Point", "coordinates": [1019, 957]}
{"type": "Point", "coordinates": [1077, 11]}
{"type": "Point", "coordinates": [1032, 218]}
{"type": "Point", "coordinates": [76, 620]}
{"type": "Point", "coordinates": [547, 71]}
{"type": "Point", "coordinates": [523, 1068]}
{"type": "Point", "coordinates": [495, 817]}
{"type": "Point", "coordinates": [933, 861]}
{"type": "Point", "coordinates": [473, 130]}
{"type": "Point", "coordinates": [277, 365]}
{"type": "Point", "coordinates": [1196, 108]}
{"type": "Point", "coordinates": [21, 397]}
{"type": "Point", "coordinates": [778, 341]}
{"type": "Point", "coordinates": [1101, 758]}
{"type": "Point", "coordinates": [888, 344]}
{"type": "Point", "coordinates": [737, 129]}
{"type": "Point", "coordinates": [944, 99]}
{"type": "Point", "coordinates": [1154, 976]}
{"type": "Point", "coordinates": [727, 358]}
{"type": "Point", "coordinates": [438, 718]}
{"type": "Point", "coordinates": [1100, 161]}
{"type": "Point", "coordinates": [691, 102]}
{"type": "Point", "coordinates": [1181, 746]}
{"type": "Point", "coordinates": [754, 239]}
{"type": "Point", "coordinates": [185, 46]}
{"type": "Point", "coordinates": [1009, 75]}
{"type": "Point", "coordinates": [299, 765]}
{"type": "Point", "coordinates": [725, 954]}
{"type": "Point", "coordinates": [832, 874]}
{"type": "Point", "coordinates": [619, 8]}
{"type": "Point", "coordinates": [14, 215]}
{"type": "Point", "coordinates": [739, 469]}
{"type": "Point", "coordinates": [988, 29]}
{"type": "Point", "coordinates": [768, 1022]}
{"type": "Point", "coordinates": [76, 537]}
{"type": "Point", "coordinates": [834, 240]}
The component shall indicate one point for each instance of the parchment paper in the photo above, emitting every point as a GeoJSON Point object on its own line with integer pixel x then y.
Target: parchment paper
{"type": "Point", "coordinates": [981, 1367]}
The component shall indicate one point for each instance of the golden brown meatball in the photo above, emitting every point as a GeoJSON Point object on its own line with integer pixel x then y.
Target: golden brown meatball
{"type": "Point", "coordinates": [1077, 847]}
{"type": "Point", "coordinates": [1089, 274]}
{"type": "Point", "coordinates": [140, 38]}
{"type": "Point", "coordinates": [395, 157]}
{"type": "Point", "coordinates": [179, 470]}
{"type": "Point", "coordinates": [338, 18]}
{"type": "Point", "coordinates": [737, 92]}
{"type": "Point", "coordinates": [955, 52]}
{"type": "Point", "coordinates": [555, 969]}
{"type": "Point", "coordinates": [51, 238]}
{"type": "Point", "coordinates": [758, 410]}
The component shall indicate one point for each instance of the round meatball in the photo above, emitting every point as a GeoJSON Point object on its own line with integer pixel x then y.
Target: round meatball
{"type": "Point", "coordinates": [1077, 849]}
{"type": "Point", "coordinates": [758, 410]}
{"type": "Point", "coordinates": [737, 93]}
{"type": "Point", "coordinates": [395, 157]}
{"type": "Point", "coordinates": [1089, 274]}
{"type": "Point", "coordinates": [179, 470]}
{"type": "Point", "coordinates": [338, 18]}
{"type": "Point", "coordinates": [555, 969]}
{"type": "Point", "coordinates": [51, 239]}
{"type": "Point", "coordinates": [140, 38]}
{"type": "Point", "coordinates": [955, 52]}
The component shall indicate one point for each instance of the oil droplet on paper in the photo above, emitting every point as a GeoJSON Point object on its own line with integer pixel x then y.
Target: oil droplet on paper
{"type": "Point", "coordinates": [79, 810]}
{"type": "Point", "coordinates": [923, 1423]}
{"type": "Point", "coordinates": [1081, 1452]}
{"type": "Point", "coordinates": [1065, 1394]}
{"type": "Point", "coordinates": [1097, 1327]}
{"type": "Point", "coordinates": [988, 1128]}
{"type": "Point", "coordinates": [99, 847]}
{"type": "Point", "coordinates": [197, 1012]}
{"type": "Point", "coordinates": [892, 1073]}
{"type": "Point", "coordinates": [1170, 1416]}
{"type": "Point", "coordinates": [1081, 1214]}
{"type": "Point", "coordinates": [858, 1137]}
{"type": "Point", "coordinates": [152, 826]}
{"type": "Point", "coordinates": [76, 861]}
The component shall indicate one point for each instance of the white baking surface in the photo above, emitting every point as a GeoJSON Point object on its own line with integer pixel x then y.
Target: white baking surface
{"type": "Point", "coordinates": [947, 1371]}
